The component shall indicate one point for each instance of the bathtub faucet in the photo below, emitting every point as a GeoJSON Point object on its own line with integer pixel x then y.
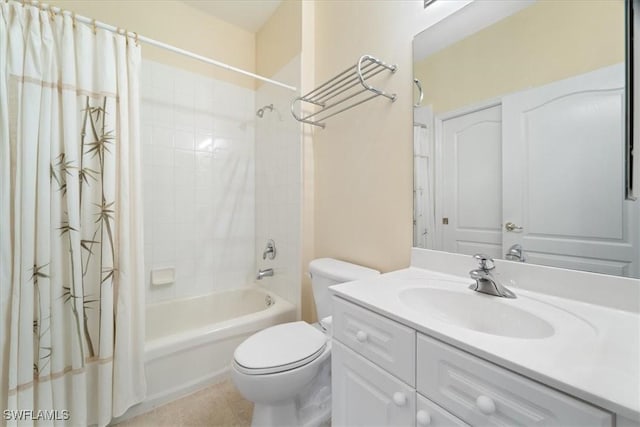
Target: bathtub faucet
{"type": "Point", "coordinates": [268, 272]}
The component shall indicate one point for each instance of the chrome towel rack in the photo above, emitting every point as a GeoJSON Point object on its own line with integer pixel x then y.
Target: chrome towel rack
{"type": "Point", "coordinates": [346, 87]}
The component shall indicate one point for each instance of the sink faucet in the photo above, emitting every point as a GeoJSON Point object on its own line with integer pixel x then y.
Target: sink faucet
{"type": "Point", "coordinates": [485, 282]}
{"type": "Point", "coordinates": [515, 253]}
{"type": "Point", "coordinates": [268, 272]}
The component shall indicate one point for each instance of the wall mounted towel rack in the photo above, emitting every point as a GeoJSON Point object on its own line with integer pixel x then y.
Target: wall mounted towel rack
{"type": "Point", "coordinates": [344, 90]}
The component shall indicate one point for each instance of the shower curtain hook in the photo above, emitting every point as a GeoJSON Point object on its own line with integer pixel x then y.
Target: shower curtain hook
{"type": "Point", "coordinates": [73, 19]}
{"type": "Point", "coordinates": [136, 38]}
{"type": "Point", "coordinates": [94, 26]}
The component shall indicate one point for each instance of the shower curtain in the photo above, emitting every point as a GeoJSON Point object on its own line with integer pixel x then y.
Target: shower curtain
{"type": "Point", "coordinates": [71, 267]}
{"type": "Point", "coordinates": [423, 203]}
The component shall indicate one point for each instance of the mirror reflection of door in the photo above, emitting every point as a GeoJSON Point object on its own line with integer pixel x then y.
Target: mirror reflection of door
{"type": "Point", "coordinates": [470, 202]}
{"type": "Point", "coordinates": [528, 104]}
{"type": "Point", "coordinates": [564, 181]}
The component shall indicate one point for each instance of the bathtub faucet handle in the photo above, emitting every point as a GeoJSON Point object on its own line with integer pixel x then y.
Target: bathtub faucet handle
{"type": "Point", "coordinates": [270, 250]}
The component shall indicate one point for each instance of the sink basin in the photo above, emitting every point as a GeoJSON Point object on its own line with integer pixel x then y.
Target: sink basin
{"type": "Point", "coordinates": [478, 312]}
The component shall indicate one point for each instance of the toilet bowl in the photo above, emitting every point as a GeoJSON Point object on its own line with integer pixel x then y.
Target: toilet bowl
{"type": "Point", "coordinates": [275, 378]}
{"type": "Point", "coordinates": [286, 369]}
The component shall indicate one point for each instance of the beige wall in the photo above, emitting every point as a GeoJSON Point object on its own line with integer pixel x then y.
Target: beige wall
{"type": "Point", "coordinates": [307, 82]}
{"type": "Point", "coordinates": [363, 159]}
{"type": "Point", "coordinates": [180, 25]}
{"type": "Point", "coordinates": [279, 39]}
{"type": "Point", "coordinates": [545, 42]}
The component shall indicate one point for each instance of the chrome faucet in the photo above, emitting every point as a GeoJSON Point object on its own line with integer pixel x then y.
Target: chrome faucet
{"type": "Point", "coordinates": [270, 250]}
{"type": "Point", "coordinates": [515, 253]}
{"type": "Point", "coordinates": [485, 282]}
{"type": "Point", "coordinates": [268, 272]}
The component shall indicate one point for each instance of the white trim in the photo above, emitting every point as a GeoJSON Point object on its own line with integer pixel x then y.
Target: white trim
{"type": "Point", "coordinates": [157, 43]}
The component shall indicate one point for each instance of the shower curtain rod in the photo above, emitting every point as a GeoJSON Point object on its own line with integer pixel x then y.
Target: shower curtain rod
{"type": "Point", "coordinates": [152, 42]}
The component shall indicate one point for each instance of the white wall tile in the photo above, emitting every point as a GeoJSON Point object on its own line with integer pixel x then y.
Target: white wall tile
{"type": "Point", "coordinates": [162, 156]}
{"type": "Point", "coordinates": [184, 139]}
{"type": "Point", "coordinates": [162, 136]}
{"type": "Point", "coordinates": [184, 118]}
{"type": "Point", "coordinates": [184, 159]}
{"type": "Point", "coordinates": [277, 186]}
{"type": "Point", "coordinates": [199, 185]}
{"type": "Point", "coordinates": [163, 115]}
{"type": "Point", "coordinates": [184, 176]}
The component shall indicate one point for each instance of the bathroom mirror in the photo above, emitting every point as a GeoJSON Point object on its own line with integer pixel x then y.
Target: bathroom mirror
{"type": "Point", "coordinates": [520, 135]}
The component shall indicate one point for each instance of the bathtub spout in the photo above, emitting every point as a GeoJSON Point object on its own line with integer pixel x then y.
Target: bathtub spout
{"type": "Point", "coordinates": [264, 273]}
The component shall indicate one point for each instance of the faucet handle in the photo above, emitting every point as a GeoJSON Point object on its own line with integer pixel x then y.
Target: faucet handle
{"type": "Point", "coordinates": [483, 259]}
{"type": "Point", "coordinates": [269, 250]}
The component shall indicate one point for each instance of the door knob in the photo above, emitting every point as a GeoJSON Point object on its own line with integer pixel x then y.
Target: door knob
{"type": "Point", "coordinates": [399, 398]}
{"type": "Point", "coordinates": [509, 226]}
{"type": "Point", "coordinates": [423, 418]}
{"type": "Point", "coordinates": [486, 405]}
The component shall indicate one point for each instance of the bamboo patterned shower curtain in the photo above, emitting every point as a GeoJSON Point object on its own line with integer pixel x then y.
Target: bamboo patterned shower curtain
{"type": "Point", "coordinates": [71, 268]}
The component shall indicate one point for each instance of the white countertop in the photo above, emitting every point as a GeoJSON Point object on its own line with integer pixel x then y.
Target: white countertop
{"type": "Point", "coordinates": [594, 353]}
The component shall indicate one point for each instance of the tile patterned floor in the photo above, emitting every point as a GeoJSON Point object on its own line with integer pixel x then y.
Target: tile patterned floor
{"type": "Point", "coordinates": [217, 405]}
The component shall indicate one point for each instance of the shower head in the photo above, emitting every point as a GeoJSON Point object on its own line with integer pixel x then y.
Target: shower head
{"type": "Point", "coordinates": [260, 112]}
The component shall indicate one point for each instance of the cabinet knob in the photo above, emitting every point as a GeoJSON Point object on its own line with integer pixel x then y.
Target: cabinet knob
{"type": "Point", "coordinates": [399, 398]}
{"type": "Point", "coordinates": [361, 336]}
{"type": "Point", "coordinates": [486, 405]}
{"type": "Point", "coordinates": [423, 418]}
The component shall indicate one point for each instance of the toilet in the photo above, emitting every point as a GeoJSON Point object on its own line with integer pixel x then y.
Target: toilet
{"type": "Point", "coordinates": [286, 369]}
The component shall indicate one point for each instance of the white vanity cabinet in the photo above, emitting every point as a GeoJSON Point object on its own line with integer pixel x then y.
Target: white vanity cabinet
{"type": "Point", "coordinates": [366, 395]}
{"type": "Point", "coordinates": [482, 393]}
{"type": "Point", "coordinates": [387, 374]}
{"type": "Point", "coordinates": [373, 362]}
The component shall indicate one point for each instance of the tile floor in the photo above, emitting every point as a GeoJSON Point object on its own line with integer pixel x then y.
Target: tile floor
{"type": "Point", "coordinates": [218, 405]}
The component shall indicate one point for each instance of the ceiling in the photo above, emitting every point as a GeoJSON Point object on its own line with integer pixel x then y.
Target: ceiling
{"type": "Point", "coordinates": [248, 14]}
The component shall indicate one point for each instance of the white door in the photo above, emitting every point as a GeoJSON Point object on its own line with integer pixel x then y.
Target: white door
{"type": "Point", "coordinates": [564, 181]}
{"type": "Point", "coordinates": [470, 201]}
{"type": "Point", "coordinates": [366, 396]}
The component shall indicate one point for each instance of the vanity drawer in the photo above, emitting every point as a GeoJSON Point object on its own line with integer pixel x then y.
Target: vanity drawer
{"type": "Point", "coordinates": [481, 393]}
{"type": "Point", "coordinates": [366, 395]}
{"type": "Point", "coordinates": [386, 343]}
{"type": "Point", "coordinates": [430, 414]}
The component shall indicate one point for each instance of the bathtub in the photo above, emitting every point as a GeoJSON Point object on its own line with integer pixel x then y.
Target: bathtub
{"type": "Point", "coordinates": [190, 342]}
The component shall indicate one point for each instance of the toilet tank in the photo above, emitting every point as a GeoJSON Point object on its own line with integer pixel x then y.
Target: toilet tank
{"type": "Point", "coordinates": [327, 272]}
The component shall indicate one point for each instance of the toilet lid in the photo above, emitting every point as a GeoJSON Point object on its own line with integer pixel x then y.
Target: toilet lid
{"type": "Point", "coordinates": [280, 348]}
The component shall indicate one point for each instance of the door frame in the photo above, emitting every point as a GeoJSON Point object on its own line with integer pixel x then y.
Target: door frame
{"type": "Point", "coordinates": [438, 122]}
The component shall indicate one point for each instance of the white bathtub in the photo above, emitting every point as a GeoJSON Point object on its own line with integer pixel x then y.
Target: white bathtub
{"type": "Point", "coordinates": [190, 342]}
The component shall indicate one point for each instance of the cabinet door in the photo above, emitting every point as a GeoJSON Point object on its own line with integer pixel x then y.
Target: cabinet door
{"type": "Point", "coordinates": [484, 394]}
{"type": "Point", "coordinates": [365, 395]}
{"type": "Point", "coordinates": [432, 415]}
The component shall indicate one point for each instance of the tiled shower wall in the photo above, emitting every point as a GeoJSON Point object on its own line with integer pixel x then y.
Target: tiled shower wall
{"type": "Point", "coordinates": [199, 183]}
{"type": "Point", "coordinates": [279, 185]}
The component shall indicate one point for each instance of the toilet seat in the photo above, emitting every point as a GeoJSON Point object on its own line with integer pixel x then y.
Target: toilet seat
{"type": "Point", "coordinates": [279, 348]}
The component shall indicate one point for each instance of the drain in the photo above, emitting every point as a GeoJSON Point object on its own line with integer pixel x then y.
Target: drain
{"type": "Point", "coordinates": [269, 301]}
